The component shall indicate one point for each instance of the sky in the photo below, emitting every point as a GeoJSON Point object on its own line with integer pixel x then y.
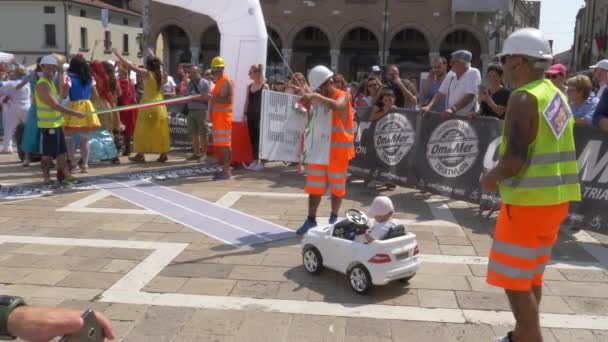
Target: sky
{"type": "Point", "coordinates": [557, 22]}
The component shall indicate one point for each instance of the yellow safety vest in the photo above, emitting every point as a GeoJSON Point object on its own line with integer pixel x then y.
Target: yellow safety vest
{"type": "Point", "coordinates": [47, 117]}
{"type": "Point", "coordinates": [550, 176]}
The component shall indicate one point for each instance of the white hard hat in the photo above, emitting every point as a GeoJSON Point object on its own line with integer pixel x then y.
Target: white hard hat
{"type": "Point", "coordinates": [48, 60]}
{"type": "Point", "coordinates": [318, 75]}
{"type": "Point", "coordinates": [528, 42]}
{"type": "Point", "coordinates": [381, 205]}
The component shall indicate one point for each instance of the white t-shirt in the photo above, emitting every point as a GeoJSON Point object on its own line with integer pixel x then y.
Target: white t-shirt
{"type": "Point", "coordinates": [378, 230]}
{"type": "Point", "coordinates": [455, 89]}
{"type": "Point", "coordinates": [169, 85]}
{"type": "Point", "coordinates": [18, 99]}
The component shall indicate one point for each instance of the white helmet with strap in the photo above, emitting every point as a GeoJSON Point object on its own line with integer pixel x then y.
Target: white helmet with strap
{"type": "Point", "coordinates": [318, 75]}
{"type": "Point", "coordinates": [528, 42]}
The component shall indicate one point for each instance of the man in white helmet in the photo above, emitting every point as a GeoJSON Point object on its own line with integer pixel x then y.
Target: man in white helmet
{"type": "Point", "coordinates": [537, 177]}
{"type": "Point", "coordinates": [341, 149]}
{"type": "Point", "coordinates": [50, 121]}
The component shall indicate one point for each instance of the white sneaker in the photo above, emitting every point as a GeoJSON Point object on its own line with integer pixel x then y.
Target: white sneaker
{"type": "Point", "coordinates": [248, 167]}
{"type": "Point", "coordinates": [258, 166]}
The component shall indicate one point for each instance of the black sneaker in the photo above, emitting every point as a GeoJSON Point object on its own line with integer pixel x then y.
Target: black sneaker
{"type": "Point", "coordinates": [222, 176]}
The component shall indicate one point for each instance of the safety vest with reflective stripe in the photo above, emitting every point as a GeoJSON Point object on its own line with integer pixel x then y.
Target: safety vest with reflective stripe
{"type": "Point", "coordinates": [47, 117]}
{"type": "Point", "coordinates": [342, 133]}
{"type": "Point", "coordinates": [550, 175]}
{"type": "Point", "coordinates": [221, 107]}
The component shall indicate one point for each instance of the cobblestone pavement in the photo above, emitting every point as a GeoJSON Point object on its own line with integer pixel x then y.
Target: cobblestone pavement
{"type": "Point", "coordinates": [160, 281]}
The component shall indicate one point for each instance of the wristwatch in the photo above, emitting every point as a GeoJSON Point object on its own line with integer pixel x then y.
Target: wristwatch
{"type": "Point", "coordinates": [7, 305]}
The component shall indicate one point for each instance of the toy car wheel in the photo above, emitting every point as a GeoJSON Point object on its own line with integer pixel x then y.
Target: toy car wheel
{"type": "Point", "coordinates": [311, 258]}
{"type": "Point", "coordinates": [407, 279]}
{"type": "Point", "coordinates": [359, 279]}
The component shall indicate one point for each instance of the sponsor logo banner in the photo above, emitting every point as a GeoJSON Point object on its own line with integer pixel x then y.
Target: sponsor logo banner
{"type": "Point", "coordinates": [384, 149]}
{"type": "Point", "coordinates": [449, 157]}
{"type": "Point", "coordinates": [178, 128]}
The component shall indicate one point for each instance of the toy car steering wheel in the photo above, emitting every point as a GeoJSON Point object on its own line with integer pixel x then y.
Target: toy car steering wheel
{"type": "Point", "coordinates": [356, 216]}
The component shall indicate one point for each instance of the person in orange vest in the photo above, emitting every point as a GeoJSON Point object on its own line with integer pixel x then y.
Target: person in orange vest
{"type": "Point", "coordinates": [537, 177]}
{"type": "Point", "coordinates": [341, 149]}
{"type": "Point", "coordinates": [221, 106]}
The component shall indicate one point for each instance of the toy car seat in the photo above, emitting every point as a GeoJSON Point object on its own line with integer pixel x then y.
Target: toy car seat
{"type": "Point", "coordinates": [393, 232]}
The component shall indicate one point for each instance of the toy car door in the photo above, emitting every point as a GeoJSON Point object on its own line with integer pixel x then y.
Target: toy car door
{"type": "Point", "coordinates": [340, 254]}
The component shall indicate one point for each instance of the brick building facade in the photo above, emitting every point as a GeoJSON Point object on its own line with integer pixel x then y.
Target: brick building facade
{"type": "Point", "coordinates": [348, 35]}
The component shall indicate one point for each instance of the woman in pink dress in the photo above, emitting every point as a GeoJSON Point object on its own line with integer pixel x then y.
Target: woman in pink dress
{"type": "Point", "coordinates": [128, 96]}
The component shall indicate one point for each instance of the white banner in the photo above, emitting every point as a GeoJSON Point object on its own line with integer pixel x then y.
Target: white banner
{"type": "Point", "coordinates": [318, 136]}
{"type": "Point", "coordinates": [281, 127]}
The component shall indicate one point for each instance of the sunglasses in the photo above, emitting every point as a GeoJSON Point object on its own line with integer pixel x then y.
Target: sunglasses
{"type": "Point", "coordinates": [503, 59]}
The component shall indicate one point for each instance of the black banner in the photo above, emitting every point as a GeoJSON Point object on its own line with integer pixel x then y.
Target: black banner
{"type": "Point", "coordinates": [385, 148]}
{"type": "Point", "coordinates": [450, 155]}
{"type": "Point", "coordinates": [448, 158]}
{"type": "Point", "coordinates": [592, 155]}
{"type": "Point", "coordinates": [178, 128]}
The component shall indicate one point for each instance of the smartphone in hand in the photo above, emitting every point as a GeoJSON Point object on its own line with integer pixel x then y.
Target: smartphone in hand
{"type": "Point", "coordinates": [91, 330]}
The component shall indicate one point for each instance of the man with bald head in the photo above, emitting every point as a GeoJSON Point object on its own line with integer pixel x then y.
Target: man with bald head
{"type": "Point", "coordinates": [197, 113]}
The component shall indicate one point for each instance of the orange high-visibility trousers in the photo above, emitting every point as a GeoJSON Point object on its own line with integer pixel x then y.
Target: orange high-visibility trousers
{"type": "Point", "coordinates": [222, 128]}
{"type": "Point", "coordinates": [318, 177]}
{"type": "Point", "coordinates": [522, 246]}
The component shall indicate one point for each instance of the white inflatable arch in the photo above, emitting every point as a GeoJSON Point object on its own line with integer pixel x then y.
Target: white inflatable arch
{"type": "Point", "coordinates": [243, 38]}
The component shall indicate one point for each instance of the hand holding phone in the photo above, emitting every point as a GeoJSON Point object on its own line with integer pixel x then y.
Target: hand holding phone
{"type": "Point", "coordinates": [91, 330]}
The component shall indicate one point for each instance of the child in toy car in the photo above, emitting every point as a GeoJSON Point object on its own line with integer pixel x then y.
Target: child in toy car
{"type": "Point", "coordinates": [381, 210]}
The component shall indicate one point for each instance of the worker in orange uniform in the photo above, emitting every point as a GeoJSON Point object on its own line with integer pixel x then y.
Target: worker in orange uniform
{"type": "Point", "coordinates": [221, 106]}
{"type": "Point", "coordinates": [537, 177]}
{"type": "Point", "coordinates": [341, 151]}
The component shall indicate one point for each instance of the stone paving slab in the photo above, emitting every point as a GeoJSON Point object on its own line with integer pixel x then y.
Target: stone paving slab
{"type": "Point", "coordinates": [75, 275]}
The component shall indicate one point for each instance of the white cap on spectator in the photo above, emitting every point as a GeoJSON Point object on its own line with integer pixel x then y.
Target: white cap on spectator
{"type": "Point", "coordinates": [376, 68]}
{"type": "Point", "coordinates": [381, 205]}
{"type": "Point", "coordinates": [603, 64]}
{"type": "Point", "coordinates": [48, 60]}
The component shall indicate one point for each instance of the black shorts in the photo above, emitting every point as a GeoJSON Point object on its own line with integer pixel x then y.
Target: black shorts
{"type": "Point", "coordinates": [52, 142]}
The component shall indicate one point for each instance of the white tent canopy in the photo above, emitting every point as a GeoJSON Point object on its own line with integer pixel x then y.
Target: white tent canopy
{"type": "Point", "coordinates": [6, 57]}
{"type": "Point", "coordinates": [243, 38]}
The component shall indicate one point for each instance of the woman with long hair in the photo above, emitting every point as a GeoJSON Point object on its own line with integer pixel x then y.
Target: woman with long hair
{"type": "Point", "coordinates": [152, 126]}
{"type": "Point", "coordinates": [372, 87]}
{"type": "Point", "coordinates": [297, 85]}
{"type": "Point", "coordinates": [80, 92]}
{"type": "Point", "coordinates": [128, 96]}
{"type": "Point", "coordinates": [253, 110]}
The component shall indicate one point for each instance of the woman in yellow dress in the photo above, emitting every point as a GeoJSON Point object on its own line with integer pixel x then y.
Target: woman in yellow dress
{"type": "Point", "coordinates": [152, 125]}
{"type": "Point", "coordinates": [80, 93]}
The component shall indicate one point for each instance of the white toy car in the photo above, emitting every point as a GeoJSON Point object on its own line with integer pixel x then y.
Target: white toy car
{"type": "Point", "coordinates": [395, 257]}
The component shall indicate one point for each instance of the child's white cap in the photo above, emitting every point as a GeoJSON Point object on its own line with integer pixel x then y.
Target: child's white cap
{"type": "Point", "coordinates": [381, 205]}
